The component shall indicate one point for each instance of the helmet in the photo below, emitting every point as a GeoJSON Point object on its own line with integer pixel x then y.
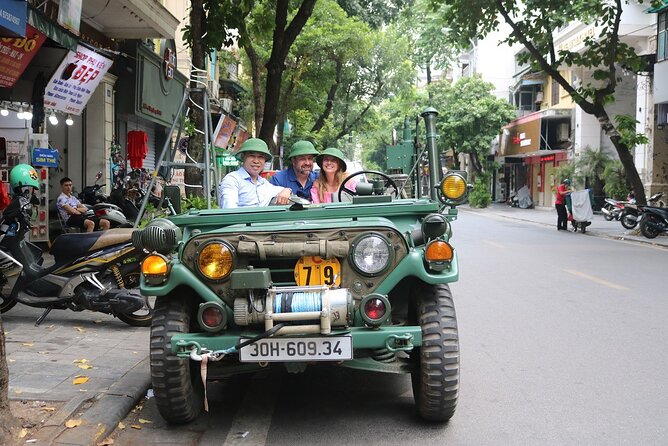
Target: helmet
{"type": "Point", "coordinates": [333, 152]}
{"type": "Point", "coordinates": [302, 148]}
{"type": "Point", "coordinates": [23, 175]}
{"type": "Point", "coordinates": [566, 181]}
{"type": "Point", "coordinates": [254, 145]}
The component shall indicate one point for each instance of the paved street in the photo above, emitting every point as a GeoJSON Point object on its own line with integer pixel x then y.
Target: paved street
{"type": "Point", "coordinates": [559, 333]}
{"type": "Point", "coordinates": [575, 293]}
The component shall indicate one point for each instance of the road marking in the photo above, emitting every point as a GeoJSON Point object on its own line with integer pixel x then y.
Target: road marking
{"type": "Point", "coordinates": [250, 425]}
{"type": "Point", "coordinates": [494, 244]}
{"type": "Point", "coordinates": [597, 280]}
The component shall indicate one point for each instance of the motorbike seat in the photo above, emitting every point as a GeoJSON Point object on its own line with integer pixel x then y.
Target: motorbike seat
{"type": "Point", "coordinates": [72, 245]}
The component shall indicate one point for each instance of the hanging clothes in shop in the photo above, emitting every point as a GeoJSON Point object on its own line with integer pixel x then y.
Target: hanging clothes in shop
{"type": "Point", "coordinates": [137, 148]}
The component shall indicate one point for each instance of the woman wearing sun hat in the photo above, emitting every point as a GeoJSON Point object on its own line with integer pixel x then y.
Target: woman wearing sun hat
{"type": "Point", "coordinates": [332, 173]}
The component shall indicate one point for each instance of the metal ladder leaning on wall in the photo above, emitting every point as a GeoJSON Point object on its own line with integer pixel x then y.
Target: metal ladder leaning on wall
{"type": "Point", "coordinates": [199, 78]}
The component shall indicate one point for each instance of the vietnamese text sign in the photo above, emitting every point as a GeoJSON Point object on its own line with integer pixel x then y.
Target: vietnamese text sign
{"type": "Point", "coordinates": [16, 53]}
{"type": "Point", "coordinates": [13, 14]}
{"type": "Point", "coordinates": [223, 132]}
{"type": "Point", "coordinates": [44, 157]}
{"type": "Point", "coordinates": [75, 80]}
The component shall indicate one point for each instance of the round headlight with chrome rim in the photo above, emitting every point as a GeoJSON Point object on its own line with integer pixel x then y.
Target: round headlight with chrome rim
{"type": "Point", "coordinates": [215, 260]}
{"type": "Point", "coordinates": [371, 254]}
{"type": "Point", "coordinates": [453, 188]}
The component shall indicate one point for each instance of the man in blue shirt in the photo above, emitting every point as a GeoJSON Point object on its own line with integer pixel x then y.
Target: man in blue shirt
{"type": "Point", "coordinates": [300, 176]}
{"type": "Point", "coordinates": [245, 186]}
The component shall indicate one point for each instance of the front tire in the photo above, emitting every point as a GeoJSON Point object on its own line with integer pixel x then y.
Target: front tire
{"type": "Point", "coordinates": [436, 379]}
{"type": "Point", "coordinates": [610, 216]}
{"type": "Point", "coordinates": [629, 221]}
{"type": "Point", "coordinates": [143, 316]}
{"type": "Point", "coordinates": [645, 227]}
{"type": "Point", "coordinates": [177, 386]}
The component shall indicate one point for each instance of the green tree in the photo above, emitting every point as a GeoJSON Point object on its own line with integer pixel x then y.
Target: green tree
{"type": "Point", "coordinates": [533, 23]}
{"type": "Point", "coordinates": [591, 163]}
{"type": "Point", "coordinates": [615, 180]}
{"type": "Point", "coordinates": [216, 23]}
{"type": "Point", "coordinates": [433, 45]}
{"type": "Point", "coordinates": [470, 117]}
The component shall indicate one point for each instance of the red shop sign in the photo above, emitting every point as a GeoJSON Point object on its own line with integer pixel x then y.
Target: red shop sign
{"type": "Point", "coordinates": [16, 53]}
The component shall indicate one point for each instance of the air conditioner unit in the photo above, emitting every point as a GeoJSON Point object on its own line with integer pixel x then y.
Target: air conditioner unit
{"type": "Point", "coordinates": [226, 104]}
{"type": "Point", "coordinates": [213, 88]}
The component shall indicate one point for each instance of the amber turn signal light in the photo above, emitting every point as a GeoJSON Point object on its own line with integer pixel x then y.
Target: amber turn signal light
{"type": "Point", "coordinates": [438, 251]}
{"type": "Point", "coordinates": [154, 265]}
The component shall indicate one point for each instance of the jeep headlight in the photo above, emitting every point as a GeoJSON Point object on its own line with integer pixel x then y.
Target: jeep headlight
{"type": "Point", "coordinates": [453, 188]}
{"type": "Point", "coordinates": [371, 254]}
{"type": "Point", "coordinates": [215, 260]}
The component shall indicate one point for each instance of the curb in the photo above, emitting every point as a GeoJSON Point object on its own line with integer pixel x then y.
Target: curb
{"type": "Point", "coordinates": [101, 415]}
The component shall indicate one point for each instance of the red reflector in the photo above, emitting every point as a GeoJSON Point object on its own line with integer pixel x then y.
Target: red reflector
{"type": "Point", "coordinates": [374, 308]}
{"type": "Point", "coordinates": [100, 212]}
{"type": "Point", "coordinates": [212, 317]}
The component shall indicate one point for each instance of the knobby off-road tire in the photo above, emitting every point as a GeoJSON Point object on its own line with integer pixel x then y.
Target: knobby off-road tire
{"type": "Point", "coordinates": [645, 227]}
{"type": "Point", "coordinates": [436, 379]}
{"type": "Point", "coordinates": [177, 386]}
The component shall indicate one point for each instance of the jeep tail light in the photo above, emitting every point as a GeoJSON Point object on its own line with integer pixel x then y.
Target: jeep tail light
{"type": "Point", "coordinates": [375, 309]}
{"type": "Point", "coordinates": [212, 316]}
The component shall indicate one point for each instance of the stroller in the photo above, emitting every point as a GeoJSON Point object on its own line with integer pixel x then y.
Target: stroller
{"type": "Point", "coordinates": [580, 213]}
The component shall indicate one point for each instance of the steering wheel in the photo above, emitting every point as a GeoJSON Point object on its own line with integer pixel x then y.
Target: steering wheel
{"type": "Point", "coordinates": [389, 182]}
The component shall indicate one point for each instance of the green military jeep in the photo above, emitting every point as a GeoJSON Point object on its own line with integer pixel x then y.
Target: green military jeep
{"type": "Point", "coordinates": [361, 283]}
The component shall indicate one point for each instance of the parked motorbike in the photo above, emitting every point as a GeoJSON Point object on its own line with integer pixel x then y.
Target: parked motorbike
{"type": "Point", "coordinates": [630, 216]}
{"type": "Point", "coordinates": [612, 209]}
{"type": "Point", "coordinates": [92, 195]}
{"type": "Point", "coordinates": [96, 271]}
{"type": "Point", "coordinates": [654, 221]}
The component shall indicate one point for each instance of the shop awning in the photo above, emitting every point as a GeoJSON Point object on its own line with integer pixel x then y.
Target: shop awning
{"type": "Point", "coordinates": [662, 7]}
{"type": "Point", "coordinates": [130, 19]}
{"type": "Point", "coordinates": [52, 30]}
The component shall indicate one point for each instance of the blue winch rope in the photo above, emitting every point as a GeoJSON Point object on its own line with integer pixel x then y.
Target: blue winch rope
{"type": "Point", "coordinates": [297, 302]}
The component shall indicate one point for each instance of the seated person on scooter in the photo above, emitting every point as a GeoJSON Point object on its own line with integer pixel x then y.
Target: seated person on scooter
{"type": "Point", "coordinates": [73, 211]}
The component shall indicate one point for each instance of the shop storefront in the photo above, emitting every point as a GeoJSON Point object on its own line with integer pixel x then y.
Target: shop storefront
{"type": "Point", "coordinates": [532, 147]}
{"type": "Point", "coordinates": [147, 100]}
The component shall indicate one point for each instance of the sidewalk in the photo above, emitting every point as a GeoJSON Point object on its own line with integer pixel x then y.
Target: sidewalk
{"type": "Point", "coordinates": [75, 366]}
{"type": "Point", "coordinates": [548, 217]}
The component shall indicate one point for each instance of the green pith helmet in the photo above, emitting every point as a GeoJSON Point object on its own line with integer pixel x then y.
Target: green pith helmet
{"type": "Point", "coordinates": [333, 152]}
{"type": "Point", "coordinates": [302, 148]}
{"type": "Point", "coordinates": [23, 175]}
{"type": "Point", "coordinates": [254, 145]}
{"type": "Point", "coordinates": [566, 182]}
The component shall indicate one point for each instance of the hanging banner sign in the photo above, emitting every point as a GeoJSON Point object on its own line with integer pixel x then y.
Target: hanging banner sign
{"type": "Point", "coordinates": [241, 137]}
{"type": "Point", "coordinates": [75, 80]}
{"type": "Point", "coordinates": [13, 16]}
{"type": "Point", "coordinates": [16, 53]}
{"type": "Point", "coordinates": [223, 133]}
{"type": "Point", "coordinates": [44, 157]}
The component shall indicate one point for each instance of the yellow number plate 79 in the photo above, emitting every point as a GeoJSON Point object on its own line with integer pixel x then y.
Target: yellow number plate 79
{"type": "Point", "coordinates": [314, 270]}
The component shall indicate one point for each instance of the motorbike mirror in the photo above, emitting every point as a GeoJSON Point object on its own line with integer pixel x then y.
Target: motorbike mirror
{"type": "Point", "coordinates": [98, 175]}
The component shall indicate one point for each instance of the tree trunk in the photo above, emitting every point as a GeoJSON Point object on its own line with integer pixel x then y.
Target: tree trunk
{"type": "Point", "coordinates": [331, 95]}
{"type": "Point", "coordinates": [8, 424]}
{"type": "Point", "coordinates": [256, 78]}
{"type": "Point", "coordinates": [283, 39]}
{"type": "Point", "coordinates": [194, 176]}
{"type": "Point", "coordinates": [625, 156]}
